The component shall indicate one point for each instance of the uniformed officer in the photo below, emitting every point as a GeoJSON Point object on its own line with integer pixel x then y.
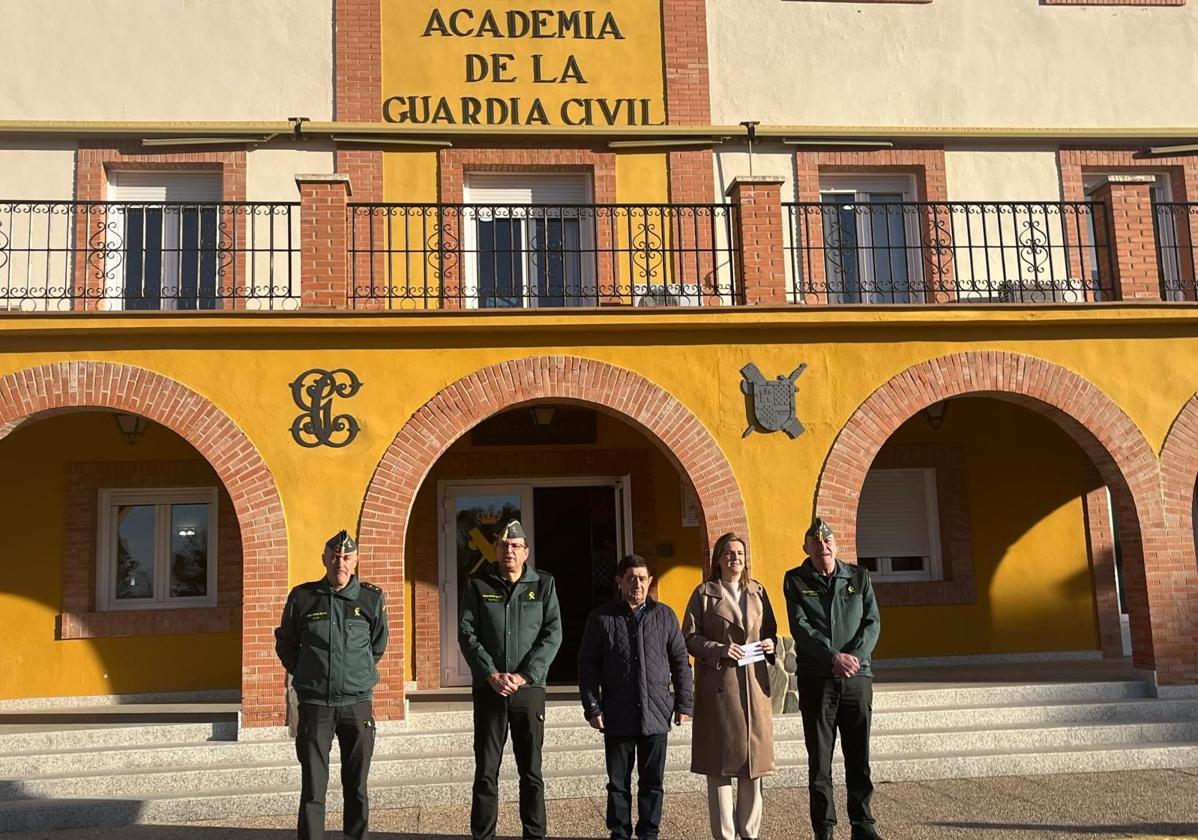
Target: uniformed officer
{"type": "Point", "coordinates": [835, 623]}
{"type": "Point", "coordinates": [331, 637]}
{"type": "Point", "coordinates": [509, 630]}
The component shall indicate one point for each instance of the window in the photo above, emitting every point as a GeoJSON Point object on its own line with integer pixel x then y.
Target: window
{"type": "Point", "coordinates": [163, 240]}
{"type": "Point", "coordinates": [530, 241]}
{"type": "Point", "coordinates": [157, 549]}
{"type": "Point", "coordinates": [1162, 193]}
{"type": "Point", "coordinates": [871, 238]}
{"type": "Point", "coordinates": [898, 528]}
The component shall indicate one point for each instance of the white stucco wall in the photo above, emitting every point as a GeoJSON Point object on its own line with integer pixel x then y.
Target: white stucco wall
{"type": "Point", "coordinates": [166, 59]}
{"type": "Point", "coordinates": [270, 173]}
{"type": "Point", "coordinates": [769, 159]}
{"type": "Point", "coordinates": [34, 169]}
{"type": "Point", "coordinates": [1002, 175]}
{"type": "Point", "coordinates": [974, 63]}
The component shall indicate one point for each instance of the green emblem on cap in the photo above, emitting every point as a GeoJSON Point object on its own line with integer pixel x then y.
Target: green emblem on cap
{"type": "Point", "coordinates": [819, 528]}
{"type": "Point", "coordinates": [341, 543]}
{"type": "Point", "coordinates": [511, 531]}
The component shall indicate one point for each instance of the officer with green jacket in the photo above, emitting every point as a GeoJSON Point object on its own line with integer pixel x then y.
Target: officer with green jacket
{"type": "Point", "coordinates": [332, 635]}
{"type": "Point", "coordinates": [509, 631]}
{"type": "Point", "coordinates": [835, 624]}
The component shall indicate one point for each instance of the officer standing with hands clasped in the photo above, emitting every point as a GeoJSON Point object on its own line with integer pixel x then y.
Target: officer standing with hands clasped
{"type": "Point", "coordinates": [509, 630]}
{"type": "Point", "coordinates": [331, 637]}
{"type": "Point", "coordinates": [835, 624]}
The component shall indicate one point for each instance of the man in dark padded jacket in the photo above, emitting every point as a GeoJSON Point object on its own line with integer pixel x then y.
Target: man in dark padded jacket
{"type": "Point", "coordinates": [632, 652]}
{"type": "Point", "coordinates": [333, 633]}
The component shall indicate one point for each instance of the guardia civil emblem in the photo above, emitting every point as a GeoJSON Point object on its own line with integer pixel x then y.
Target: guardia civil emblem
{"type": "Point", "coordinates": [773, 400]}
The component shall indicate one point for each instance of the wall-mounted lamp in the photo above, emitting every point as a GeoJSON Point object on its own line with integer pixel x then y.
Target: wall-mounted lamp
{"type": "Point", "coordinates": [935, 413]}
{"type": "Point", "coordinates": [542, 415]}
{"type": "Point", "coordinates": [132, 426]}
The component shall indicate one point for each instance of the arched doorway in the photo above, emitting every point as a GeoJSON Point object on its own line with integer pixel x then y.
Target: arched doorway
{"type": "Point", "coordinates": [552, 381]}
{"type": "Point", "coordinates": [251, 490]}
{"type": "Point", "coordinates": [1107, 436]}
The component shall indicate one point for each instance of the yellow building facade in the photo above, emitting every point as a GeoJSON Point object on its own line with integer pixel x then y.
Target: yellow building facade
{"type": "Point", "coordinates": [527, 261]}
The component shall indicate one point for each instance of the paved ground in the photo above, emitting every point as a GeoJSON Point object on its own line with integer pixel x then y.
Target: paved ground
{"type": "Point", "coordinates": [1140, 804]}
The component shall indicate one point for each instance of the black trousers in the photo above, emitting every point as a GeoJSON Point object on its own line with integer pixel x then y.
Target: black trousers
{"type": "Point", "coordinates": [354, 728]}
{"type": "Point", "coordinates": [524, 713]}
{"type": "Point", "coordinates": [828, 706]}
{"type": "Point", "coordinates": [649, 752]}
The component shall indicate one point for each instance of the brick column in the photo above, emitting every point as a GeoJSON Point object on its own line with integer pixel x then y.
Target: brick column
{"type": "Point", "coordinates": [760, 259]}
{"type": "Point", "coordinates": [324, 241]}
{"type": "Point", "coordinates": [1126, 238]}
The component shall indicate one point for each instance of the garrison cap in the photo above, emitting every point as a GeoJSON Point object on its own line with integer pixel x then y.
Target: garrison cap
{"type": "Point", "coordinates": [511, 531]}
{"type": "Point", "coordinates": [341, 543]}
{"type": "Point", "coordinates": [819, 528]}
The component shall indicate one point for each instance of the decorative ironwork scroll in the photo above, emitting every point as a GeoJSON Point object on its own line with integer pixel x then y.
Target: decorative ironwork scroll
{"type": "Point", "coordinates": [314, 391]}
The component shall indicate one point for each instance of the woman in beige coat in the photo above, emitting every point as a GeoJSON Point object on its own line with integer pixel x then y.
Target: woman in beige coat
{"type": "Point", "coordinates": [733, 732]}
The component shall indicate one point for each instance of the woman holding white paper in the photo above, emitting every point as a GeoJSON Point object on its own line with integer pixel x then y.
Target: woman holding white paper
{"type": "Point", "coordinates": [731, 631]}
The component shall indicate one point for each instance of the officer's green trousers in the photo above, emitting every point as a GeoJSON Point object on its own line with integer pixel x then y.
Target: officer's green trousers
{"type": "Point", "coordinates": [828, 706]}
{"type": "Point", "coordinates": [524, 713]}
{"type": "Point", "coordinates": [354, 728]}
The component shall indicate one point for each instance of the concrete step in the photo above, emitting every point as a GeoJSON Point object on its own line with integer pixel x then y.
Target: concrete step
{"type": "Point", "coordinates": [1002, 722]}
{"type": "Point", "coordinates": [32, 814]}
{"type": "Point", "coordinates": [232, 768]}
{"type": "Point", "coordinates": [886, 698]}
{"type": "Point", "coordinates": [171, 772]}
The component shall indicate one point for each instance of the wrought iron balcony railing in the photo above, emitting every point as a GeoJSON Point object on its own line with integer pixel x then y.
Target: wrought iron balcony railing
{"type": "Point", "coordinates": [845, 252]}
{"type": "Point", "coordinates": [120, 256]}
{"type": "Point", "coordinates": [467, 256]}
{"type": "Point", "coordinates": [1176, 226]}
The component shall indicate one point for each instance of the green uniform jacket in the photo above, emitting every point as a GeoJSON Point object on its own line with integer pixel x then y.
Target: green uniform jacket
{"type": "Point", "coordinates": [509, 628]}
{"type": "Point", "coordinates": [831, 615]}
{"type": "Point", "coordinates": [331, 642]}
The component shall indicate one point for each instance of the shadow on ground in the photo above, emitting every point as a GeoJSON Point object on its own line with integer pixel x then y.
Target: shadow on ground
{"type": "Point", "coordinates": [1189, 829]}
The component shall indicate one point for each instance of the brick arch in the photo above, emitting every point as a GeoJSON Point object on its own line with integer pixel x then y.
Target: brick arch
{"type": "Point", "coordinates": [460, 406]}
{"type": "Point", "coordinates": [35, 391]}
{"type": "Point", "coordinates": [1179, 474]}
{"type": "Point", "coordinates": [1161, 630]}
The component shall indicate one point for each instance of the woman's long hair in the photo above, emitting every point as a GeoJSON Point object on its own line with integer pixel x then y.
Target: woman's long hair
{"type": "Point", "coordinates": [713, 570]}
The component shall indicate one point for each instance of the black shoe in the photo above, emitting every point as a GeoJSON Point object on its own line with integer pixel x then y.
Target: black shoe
{"type": "Point", "coordinates": [866, 833]}
{"type": "Point", "coordinates": [823, 834]}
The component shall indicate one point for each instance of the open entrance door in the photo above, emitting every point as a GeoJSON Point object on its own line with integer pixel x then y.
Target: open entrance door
{"type": "Point", "coordinates": [579, 529]}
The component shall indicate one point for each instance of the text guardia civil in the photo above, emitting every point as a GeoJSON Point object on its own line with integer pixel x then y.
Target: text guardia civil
{"type": "Point", "coordinates": [495, 67]}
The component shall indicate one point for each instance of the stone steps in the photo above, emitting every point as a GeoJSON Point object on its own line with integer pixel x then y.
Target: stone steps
{"type": "Point", "coordinates": [193, 771]}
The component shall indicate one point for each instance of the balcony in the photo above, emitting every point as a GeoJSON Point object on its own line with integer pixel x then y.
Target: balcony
{"type": "Point", "coordinates": [493, 256]}
{"type": "Point", "coordinates": [326, 253]}
{"type": "Point", "coordinates": [99, 256]}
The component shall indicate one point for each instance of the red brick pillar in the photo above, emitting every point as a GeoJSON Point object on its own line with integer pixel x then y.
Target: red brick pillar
{"type": "Point", "coordinates": [1126, 237]}
{"type": "Point", "coordinates": [760, 258]}
{"type": "Point", "coordinates": [324, 241]}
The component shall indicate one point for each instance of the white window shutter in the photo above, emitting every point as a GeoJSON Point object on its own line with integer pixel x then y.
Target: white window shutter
{"type": "Point", "coordinates": [157, 186]}
{"type": "Point", "coordinates": [515, 188]}
{"type": "Point", "coordinates": [892, 518]}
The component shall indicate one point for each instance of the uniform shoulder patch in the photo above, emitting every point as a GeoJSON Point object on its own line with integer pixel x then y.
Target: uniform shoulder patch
{"type": "Point", "coordinates": [371, 587]}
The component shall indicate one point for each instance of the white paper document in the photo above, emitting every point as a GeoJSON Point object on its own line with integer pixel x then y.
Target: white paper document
{"type": "Point", "coordinates": [753, 653]}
